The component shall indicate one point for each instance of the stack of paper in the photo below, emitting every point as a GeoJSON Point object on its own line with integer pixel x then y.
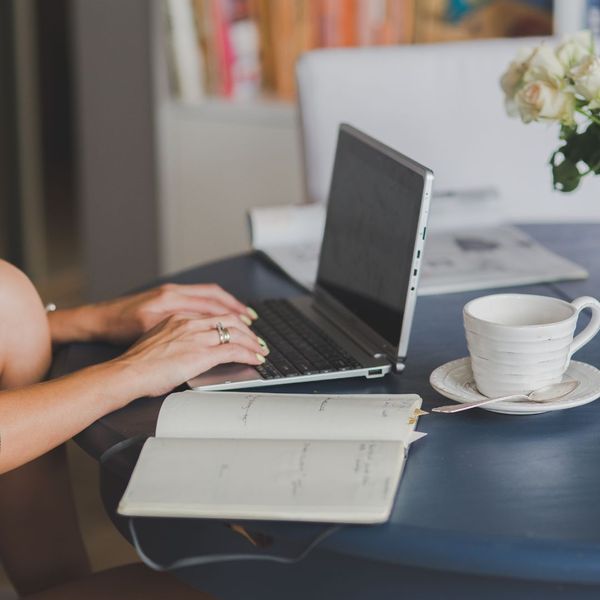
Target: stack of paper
{"type": "Point", "coordinates": [469, 245]}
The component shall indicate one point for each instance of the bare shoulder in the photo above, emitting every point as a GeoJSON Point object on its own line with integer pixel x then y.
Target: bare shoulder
{"type": "Point", "coordinates": [25, 344]}
{"type": "Point", "coordinates": [15, 286]}
{"type": "Point", "coordinates": [9, 273]}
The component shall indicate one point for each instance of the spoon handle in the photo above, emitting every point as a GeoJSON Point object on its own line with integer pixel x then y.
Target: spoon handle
{"type": "Point", "coordinates": [454, 408]}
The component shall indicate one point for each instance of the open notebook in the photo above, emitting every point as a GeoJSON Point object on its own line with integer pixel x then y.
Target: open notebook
{"type": "Point", "coordinates": [275, 457]}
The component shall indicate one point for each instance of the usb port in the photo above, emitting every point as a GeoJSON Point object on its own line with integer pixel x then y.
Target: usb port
{"type": "Point", "coordinates": [374, 372]}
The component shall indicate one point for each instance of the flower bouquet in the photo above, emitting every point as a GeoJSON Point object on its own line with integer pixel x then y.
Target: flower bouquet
{"type": "Point", "coordinates": [561, 85]}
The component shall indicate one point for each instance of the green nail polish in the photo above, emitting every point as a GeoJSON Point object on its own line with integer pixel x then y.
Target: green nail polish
{"type": "Point", "coordinates": [260, 358]}
{"type": "Point", "coordinates": [246, 320]}
{"type": "Point", "coordinates": [252, 312]}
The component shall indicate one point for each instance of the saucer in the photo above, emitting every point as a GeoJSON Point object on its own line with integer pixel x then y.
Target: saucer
{"type": "Point", "coordinates": [455, 381]}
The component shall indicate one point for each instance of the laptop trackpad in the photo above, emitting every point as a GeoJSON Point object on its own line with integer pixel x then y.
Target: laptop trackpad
{"type": "Point", "coordinates": [228, 373]}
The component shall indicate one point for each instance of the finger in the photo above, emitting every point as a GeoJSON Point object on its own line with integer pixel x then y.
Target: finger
{"type": "Point", "coordinates": [175, 302]}
{"type": "Point", "coordinates": [237, 337]}
{"type": "Point", "coordinates": [209, 325]}
{"type": "Point", "coordinates": [212, 290]}
{"type": "Point", "coordinates": [232, 353]}
{"type": "Point", "coordinates": [227, 321]}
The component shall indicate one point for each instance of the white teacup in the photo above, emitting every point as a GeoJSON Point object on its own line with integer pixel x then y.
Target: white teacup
{"type": "Point", "coordinates": [520, 342]}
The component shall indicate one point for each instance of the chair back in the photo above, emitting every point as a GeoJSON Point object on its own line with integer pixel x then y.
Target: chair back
{"type": "Point", "coordinates": [442, 105]}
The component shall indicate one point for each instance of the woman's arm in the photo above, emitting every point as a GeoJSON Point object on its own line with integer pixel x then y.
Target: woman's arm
{"type": "Point", "coordinates": [37, 418]}
{"type": "Point", "coordinates": [124, 319]}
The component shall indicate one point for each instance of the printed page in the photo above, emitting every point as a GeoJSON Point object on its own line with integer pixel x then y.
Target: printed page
{"type": "Point", "coordinates": [274, 226]}
{"type": "Point", "coordinates": [458, 260]}
{"type": "Point", "coordinates": [300, 261]}
{"type": "Point", "coordinates": [471, 259]}
{"type": "Point", "coordinates": [349, 482]}
{"type": "Point", "coordinates": [291, 235]}
{"type": "Point", "coordinates": [466, 208]}
{"type": "Point", "coordinates": [246, 415]}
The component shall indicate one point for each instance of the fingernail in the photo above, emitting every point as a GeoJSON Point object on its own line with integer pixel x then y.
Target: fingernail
{"type": "Point", "coordinates": [245, 319]}
{"type": "Point", "coordinates": [251, 312]}
{"type": "Point", "coordinates": [261, 359]}
{"type": "Point", "coordinates": [263, 344]}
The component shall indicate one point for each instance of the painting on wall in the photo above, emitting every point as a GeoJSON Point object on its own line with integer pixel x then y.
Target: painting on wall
{"type": "Point", "coordinates": [451, 20]}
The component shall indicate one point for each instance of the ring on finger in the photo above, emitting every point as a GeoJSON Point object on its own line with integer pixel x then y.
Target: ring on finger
{"type": "Point", "coordinates": [224, 335]}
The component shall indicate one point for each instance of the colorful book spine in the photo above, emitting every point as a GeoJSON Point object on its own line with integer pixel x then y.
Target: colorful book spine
{"type": "Point", "coordinates": [250, 46]}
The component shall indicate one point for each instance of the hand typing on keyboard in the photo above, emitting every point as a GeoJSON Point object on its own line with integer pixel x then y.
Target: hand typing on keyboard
{"type": "Point", "coordinates": [298, 347]}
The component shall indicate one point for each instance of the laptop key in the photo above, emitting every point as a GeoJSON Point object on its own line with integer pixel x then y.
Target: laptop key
{"type": "Point", "coordinates": [267, 371]}
{"type": "Point", "coordinates": [282, 364]}
{"type": "Point", "coordinates": [298, 346]}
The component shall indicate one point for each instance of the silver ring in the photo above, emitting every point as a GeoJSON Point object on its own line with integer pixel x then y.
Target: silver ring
{"type": "Point", "coordinates": [224, 335]}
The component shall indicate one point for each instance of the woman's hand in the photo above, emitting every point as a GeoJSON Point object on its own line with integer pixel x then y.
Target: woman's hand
{"type": "Point", "coordinates": [123, 320]}
{"type": "Point", "coordinates": [174, 351]}
{"type": "Point", "coordinates": [180, 348]}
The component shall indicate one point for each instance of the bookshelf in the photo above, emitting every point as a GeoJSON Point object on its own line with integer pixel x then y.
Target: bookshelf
{"type": "Point", "coordinates": [216, 159]}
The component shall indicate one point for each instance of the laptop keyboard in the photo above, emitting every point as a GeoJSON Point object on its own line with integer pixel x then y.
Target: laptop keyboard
{"type": "Point", "coordinates": [298, 346]}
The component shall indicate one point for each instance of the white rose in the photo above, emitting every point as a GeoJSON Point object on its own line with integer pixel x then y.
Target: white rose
{"type": "Point", "coordinates": [575, 48]}
{"type": "Point", "coordinates": [539, 100]}
{"type": "Point", "coordinates": [543, 65]}
{"type": "Point", "coordinates": [586, 78]}
{"type": "Point", "coordinates": [512, 79]}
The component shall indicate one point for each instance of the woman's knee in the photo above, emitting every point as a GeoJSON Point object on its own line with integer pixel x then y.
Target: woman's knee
{"type": "Point", "coordinates": [25, 345]}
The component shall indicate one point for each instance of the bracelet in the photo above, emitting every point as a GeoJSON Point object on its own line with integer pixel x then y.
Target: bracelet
{"type": "Point", "coordinates": [50, 307]}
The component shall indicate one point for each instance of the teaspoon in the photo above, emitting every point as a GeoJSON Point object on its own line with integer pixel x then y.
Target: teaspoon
{"type": "Point", "coordinates": [544, 394]}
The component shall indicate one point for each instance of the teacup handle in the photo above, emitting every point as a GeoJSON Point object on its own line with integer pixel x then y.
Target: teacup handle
{"type": "Point", "coordinates": [593, 326]}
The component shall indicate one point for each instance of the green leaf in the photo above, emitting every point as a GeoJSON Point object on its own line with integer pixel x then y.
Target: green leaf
{"type": "Point", "coordinates": [565, 173]}
{"type": "Point", "coordinates": [583, 147]}
{"type": "Point", "coordinates": [566, 131]}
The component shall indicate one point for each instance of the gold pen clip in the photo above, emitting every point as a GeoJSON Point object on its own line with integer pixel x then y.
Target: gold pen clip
{"type": "Point", "coordinates": [242, 531]}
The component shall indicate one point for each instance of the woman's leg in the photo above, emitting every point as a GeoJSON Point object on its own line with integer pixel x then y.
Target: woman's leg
{"type": "Point", "coordinates": [40, 542]}
{"type": "Point", "coordinates": [130, 582]}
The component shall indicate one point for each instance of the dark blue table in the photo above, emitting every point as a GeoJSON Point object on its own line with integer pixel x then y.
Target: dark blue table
{"type": "Point", "coordinates": [506, 506]}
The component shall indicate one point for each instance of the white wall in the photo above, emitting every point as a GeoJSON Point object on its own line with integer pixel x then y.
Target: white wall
{"type": "Point", "coordinates": [217, 161]}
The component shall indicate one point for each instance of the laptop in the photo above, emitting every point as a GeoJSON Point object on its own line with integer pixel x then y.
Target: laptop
{"type": "Point", "coordinates": [357, 321]}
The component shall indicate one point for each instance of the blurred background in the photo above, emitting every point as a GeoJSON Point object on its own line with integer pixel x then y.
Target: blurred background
{"type": "Point", "coordinates": [136, 134]}
{"type": "Point", "coordinates": [119, 119]}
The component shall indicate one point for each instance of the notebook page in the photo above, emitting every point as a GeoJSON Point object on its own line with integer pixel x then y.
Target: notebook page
{"type": "Point", "coordinates": [244, 415]}
{"type": "Point", "coordinates": [265, 479]}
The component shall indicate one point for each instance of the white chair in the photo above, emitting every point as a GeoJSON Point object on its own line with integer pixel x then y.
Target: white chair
{"type": "Point", "coordinates": [442, 105]}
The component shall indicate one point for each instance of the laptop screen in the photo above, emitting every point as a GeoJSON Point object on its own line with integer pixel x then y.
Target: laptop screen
{"type": "Point", "coordinates": [372, 221]}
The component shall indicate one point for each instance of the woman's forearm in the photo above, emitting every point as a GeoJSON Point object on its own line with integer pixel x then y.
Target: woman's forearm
{"type": "Point", "coordinates": [125, 319]}
{"type": "Point", "coordinates": [80, 324]}
{"type": "Point", "coordinates": [37, 418]}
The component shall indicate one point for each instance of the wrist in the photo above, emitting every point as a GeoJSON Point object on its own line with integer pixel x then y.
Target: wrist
{"type": "Point", "coordinates": [120, 383]}
{"type": "Point", "coordinates": [133, 375]}
{"type": "Point", "coordinates": [80, 324]}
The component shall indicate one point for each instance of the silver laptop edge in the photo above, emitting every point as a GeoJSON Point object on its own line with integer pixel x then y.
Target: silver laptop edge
{"type": "Point", "coordinates": [346, 328]}
{"type": "Point", "coordinates": [352, 325]}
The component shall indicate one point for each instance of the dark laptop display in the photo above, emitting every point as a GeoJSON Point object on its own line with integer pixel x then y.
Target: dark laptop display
{"type": "Point", "coordinates": [365, 261]}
